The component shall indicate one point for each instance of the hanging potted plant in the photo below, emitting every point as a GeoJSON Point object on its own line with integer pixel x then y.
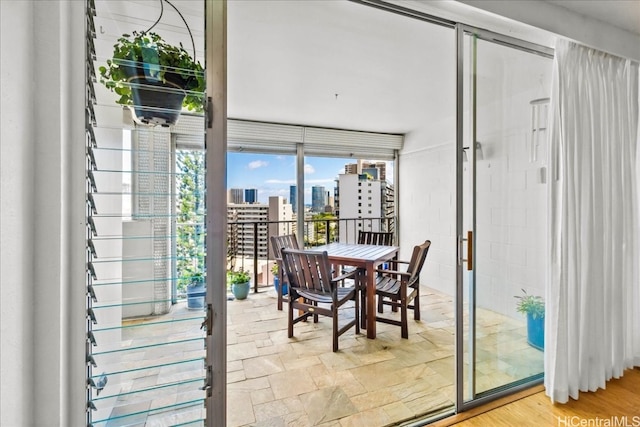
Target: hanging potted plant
{"type": "Point", "coordinates": [533, 308]}
{"type": "Point", "coordinates": [154, 77]}
{"type": "Point", "coordinates": [240, 283]}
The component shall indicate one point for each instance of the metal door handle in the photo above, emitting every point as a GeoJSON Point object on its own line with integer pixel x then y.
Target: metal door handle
{"type": "Point", "coordinates": [469, 250]}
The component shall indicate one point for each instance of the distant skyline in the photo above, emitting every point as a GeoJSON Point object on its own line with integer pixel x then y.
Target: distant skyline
{"type": "Point", "coordinates": [272, 174]}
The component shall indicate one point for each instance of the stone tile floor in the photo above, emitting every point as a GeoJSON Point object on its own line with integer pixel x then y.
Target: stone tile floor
{"type": "Point", "coordinates": [276, 381]}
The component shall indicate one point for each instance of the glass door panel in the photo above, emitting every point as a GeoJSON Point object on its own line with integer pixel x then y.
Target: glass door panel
{"type": "Point", "coordinates": [505, 211]}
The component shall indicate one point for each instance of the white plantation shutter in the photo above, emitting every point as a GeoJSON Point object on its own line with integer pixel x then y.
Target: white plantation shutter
{"type": "Point", "coordinates": [274, 138]}
{"type": "Point", "coordinates": [262, 137]}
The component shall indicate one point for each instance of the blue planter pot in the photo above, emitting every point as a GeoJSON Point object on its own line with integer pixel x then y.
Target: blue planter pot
{"type": "Point", "coordinates": [535, 332]}
{"type": "Point", "coordinates": [195, 296]}
{"type": "Point", "coordinates": [276, 284]}
{"type": "Point", "coordinates": [241, 290]}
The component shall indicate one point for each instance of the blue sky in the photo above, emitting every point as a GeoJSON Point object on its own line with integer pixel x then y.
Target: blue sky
{"type": "Point", "coordinates": [273, 174]}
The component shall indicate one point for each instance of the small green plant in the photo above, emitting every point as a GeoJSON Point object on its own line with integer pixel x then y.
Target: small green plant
{"type": "Point", "coordinates": [158, 59]}
{"type": "Point", "coordinates": [274, 269]}
{"type": "Point", "coordinates": [530, 304]}
{"type": "Point", "coordinates": [236, 277]}
{"type": "Point", "coordinates": [197, 278]}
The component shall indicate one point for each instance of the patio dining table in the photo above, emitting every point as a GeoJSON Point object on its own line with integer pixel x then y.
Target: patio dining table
{"type": "Point", "coordinates": [366, 257]}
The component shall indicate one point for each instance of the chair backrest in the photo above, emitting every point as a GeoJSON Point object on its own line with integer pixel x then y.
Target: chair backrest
{"type": "Point", "coordinates": [375, 238]}
{"type": "Point", "coordinates": [278, 243]}
{"type": "Point", "coordinates": [308, 270]}
{"type": "Point", "coordinates": [417, 261]}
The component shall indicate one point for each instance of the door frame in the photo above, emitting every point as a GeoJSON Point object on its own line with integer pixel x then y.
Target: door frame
{"type": "Point", "coordinates": [463, 30]}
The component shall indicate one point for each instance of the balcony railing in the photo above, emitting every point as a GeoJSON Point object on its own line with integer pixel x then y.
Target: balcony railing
{"type": "Point", "coordinates": [247, 240]}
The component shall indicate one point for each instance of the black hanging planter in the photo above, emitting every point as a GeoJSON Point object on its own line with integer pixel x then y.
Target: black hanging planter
{"type": "Point", "coordinates": [156, 79]}
{"type": "Point", "coordinates": [155, 102]}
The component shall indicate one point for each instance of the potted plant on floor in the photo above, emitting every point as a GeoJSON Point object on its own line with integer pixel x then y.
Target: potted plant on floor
{"type": "Point", "coordinates": [276, 279]}
{"type": "Point", "coordinates": [533, 307]}
{"type": "Point", "coordinates": [240, 283]}
{"type": "Point", "coordinates": [196, 291]}
{"type": "Point", "coordinates": [155, 77]}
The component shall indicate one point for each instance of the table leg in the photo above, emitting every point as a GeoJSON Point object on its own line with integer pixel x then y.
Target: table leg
{"type": "Point", "coordinates": [371, 300]}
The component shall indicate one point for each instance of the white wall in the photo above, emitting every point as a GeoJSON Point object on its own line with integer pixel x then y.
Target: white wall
{"type": "Point", "coordinates": [42, 246]}
{"type": "Point", "coordinates": [427, 177]}
{"type": "Point", "coordinates": [17, 218]}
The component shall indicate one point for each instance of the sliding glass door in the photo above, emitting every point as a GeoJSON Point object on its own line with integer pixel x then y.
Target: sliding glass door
{"type": "Point", "coordinates": [504, 209]}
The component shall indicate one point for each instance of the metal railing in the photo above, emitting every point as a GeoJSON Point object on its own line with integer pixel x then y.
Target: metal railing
{"type": "Point", "coordinates": [246, 241]}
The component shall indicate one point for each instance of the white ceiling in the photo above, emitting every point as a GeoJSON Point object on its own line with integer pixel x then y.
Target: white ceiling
{"type": "Point", "coordinates": [337, 64]}
{"type": "Point", "coordinates": [624, 14]}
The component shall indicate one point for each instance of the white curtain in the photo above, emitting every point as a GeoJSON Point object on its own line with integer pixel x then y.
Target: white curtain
{"type": "Point", "coordinates": [592, 321]}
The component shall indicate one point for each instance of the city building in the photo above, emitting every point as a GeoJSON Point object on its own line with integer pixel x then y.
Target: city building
{"type": "Point", "coordinates": [235, 195]}
{"type": "Point", "coordinates": [242, 232]}
{"type": "Point", "coordinates": [318, 198]}
{"type": "Point", "coordinates": [378, 170]}
{"type": "Point", "coordinates": [281, 218]}
{"type": "Point", "coordinates": [251, 195]}
{"type": "Point", "coordinates": [369, 202]}
{"type": "Point", "coordinates": [241, 227]}
{"type": "Point", "coordinates": [293, 197]}
{"type": "Point", "coordinates": [351, 168]}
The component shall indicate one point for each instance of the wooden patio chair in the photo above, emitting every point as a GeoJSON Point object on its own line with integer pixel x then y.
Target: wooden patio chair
{"type": "Point", "coordinates": [401, 288]}
{"type": "Point", "coordinates": [311, 284]}
{"type": "Point", "coordinates": [278, 243]}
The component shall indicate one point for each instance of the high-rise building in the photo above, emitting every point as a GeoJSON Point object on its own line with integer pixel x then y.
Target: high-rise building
{"type": "Point", "coordinates": [351, 168]}
{"type": "Point", "coordinates": [235, 195]}
{"type": "Point", "coordinates": [318, 195]}
{"type": "Point", "coordinates": [370, 200]}
{"type": "Point", "coordinates": [241, 231]}
{"type": "Point", "coordinates": [378, 170]}
{"type": "Point", "coordinates": [251, 195]}
{"type": "Point", "coordinates": [293, 197]}
{"type": "Point", "coordinates": [280, 217]}
{"type": "Point", "coordinates": [380, 166]}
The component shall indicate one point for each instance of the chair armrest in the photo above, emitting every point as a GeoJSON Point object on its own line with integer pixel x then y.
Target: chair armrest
{"type": "Point", "coordinates": [393, 272]}
{"type": "Point", "coordinates": [347, 275]}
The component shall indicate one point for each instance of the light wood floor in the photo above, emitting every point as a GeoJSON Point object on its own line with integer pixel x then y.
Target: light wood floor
{"type": "Point", "coordinates": [620, 399]}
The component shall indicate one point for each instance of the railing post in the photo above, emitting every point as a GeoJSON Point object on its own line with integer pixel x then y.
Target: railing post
{"type": "Point", "coordinates": [327, 231]}
{"type": "Point", "coordinates": [255, 257]}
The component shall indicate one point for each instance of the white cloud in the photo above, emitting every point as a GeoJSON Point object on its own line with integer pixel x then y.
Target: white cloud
{"type": "Point", "coordinates": [280, 181]}
{"type": "Point", "coordinates": [308, 169]}
{"type": "Point", "coordinates": [320, 181]}
{"type": "Point", "coordinates": [258, 164]}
